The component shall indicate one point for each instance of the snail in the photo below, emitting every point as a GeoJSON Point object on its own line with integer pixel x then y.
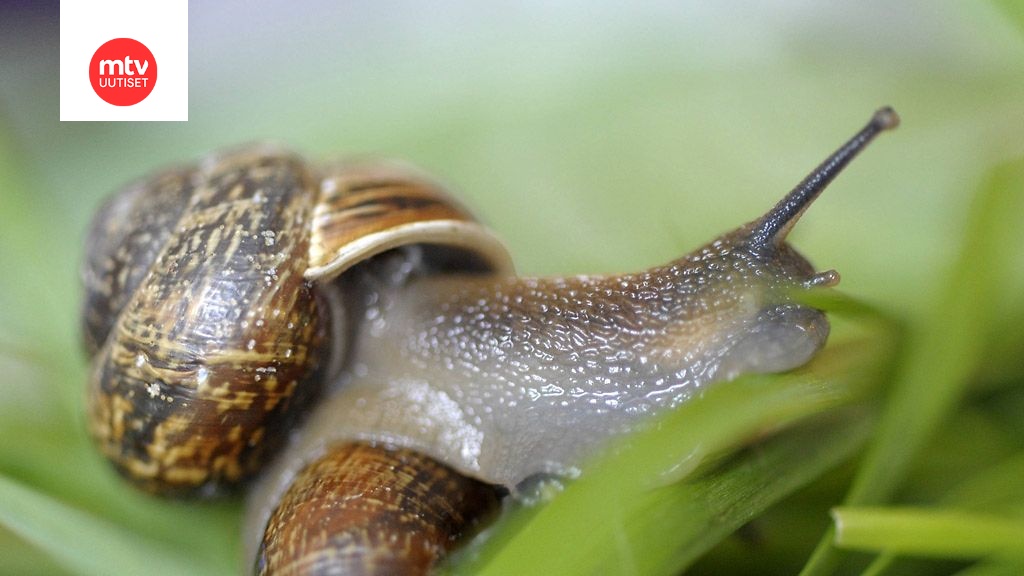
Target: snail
{"type": "Point", "coordinates": [352, 334]}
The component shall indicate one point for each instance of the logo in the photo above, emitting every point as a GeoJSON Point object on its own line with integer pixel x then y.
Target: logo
{"type": "Point", "coordinates": [136, 58]}
{"type": "Point", "coordinates": [123, 72]}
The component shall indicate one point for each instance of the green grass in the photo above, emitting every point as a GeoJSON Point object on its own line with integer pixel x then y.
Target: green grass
{"type": "Point", "coordinates": [597, 150]}
{"type": "Point", "coordinates": [945, 350]}
{"type": "Point", "coordinates": [85, 544]}
{"type": "Point", "coordinates": [918, 532]}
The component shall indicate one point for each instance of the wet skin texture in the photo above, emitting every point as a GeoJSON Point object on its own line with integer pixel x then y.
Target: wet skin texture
{"type": "Point", "coordinates": [503, 378]}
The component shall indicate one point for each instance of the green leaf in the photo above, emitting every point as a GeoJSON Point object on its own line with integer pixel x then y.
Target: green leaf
{"type": "Point", "coordinates": [1000, 567]}
{"type": "Point", "coordinates": [943, 351]}
{"type": "Point", "coordinates": [934, 533]}
{"type": "Point", "coordinates": [84, 544]}
{"type": "Point", "coordinates": [995, 489]}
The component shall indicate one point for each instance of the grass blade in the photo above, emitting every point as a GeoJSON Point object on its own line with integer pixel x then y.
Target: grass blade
{"type": "Point", "coordinates": [995, 489]}
{"type": "Point", "coordinates": [921, 532]}
{"type": "Point", "coordinates": [1001, 567]}
{"type": "Point", "coordinates": [942, 352]}
{"type": "Point", "coordinates": [84, 544]}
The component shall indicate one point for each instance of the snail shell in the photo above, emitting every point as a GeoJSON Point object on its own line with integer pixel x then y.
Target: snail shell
{"type": "Point", "coordinates": [410, 511]}
{"type": "Point", "coordinates": [209, 335]}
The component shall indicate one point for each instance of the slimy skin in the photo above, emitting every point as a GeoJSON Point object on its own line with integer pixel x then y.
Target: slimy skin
{"type": "Point", "coordinates": [504, 378]}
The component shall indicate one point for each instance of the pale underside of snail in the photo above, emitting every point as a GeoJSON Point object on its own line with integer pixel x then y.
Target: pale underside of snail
{"type": "Point", "coordinates": [225, 300]}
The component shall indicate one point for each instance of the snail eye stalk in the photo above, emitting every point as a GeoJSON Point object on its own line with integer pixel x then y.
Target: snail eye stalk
{"type": "Point", "coordinates": [772, 228]}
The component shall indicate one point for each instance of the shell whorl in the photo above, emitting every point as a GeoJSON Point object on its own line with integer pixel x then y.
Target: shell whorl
{"type": "Point", "coordinates": [210, 311]}
{"type": "Point", "coordinates": [126, 236]}
{"type": "Point", "coordinates": [219, 345]}
{"type": "Point", "coordinates": [366, 208]}
{"type": "Point", "coordinates": [363, 509]}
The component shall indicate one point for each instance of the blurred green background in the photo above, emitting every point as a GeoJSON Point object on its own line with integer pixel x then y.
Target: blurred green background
{"type": "Point", "coordinates": [594, 137]}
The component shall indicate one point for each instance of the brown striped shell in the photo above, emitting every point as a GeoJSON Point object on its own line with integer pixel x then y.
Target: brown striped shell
{"type": "Point", "coordinates": [208, 310]}
{"type": "Point", "coordinates": [366, 509]}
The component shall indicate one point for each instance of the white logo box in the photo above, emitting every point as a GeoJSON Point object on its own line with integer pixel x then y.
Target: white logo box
{"type": "Point", "coordinates": [162, 25]}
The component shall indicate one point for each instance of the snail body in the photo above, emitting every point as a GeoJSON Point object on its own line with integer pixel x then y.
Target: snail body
{"type": "Point", "coordinates": [389, 300]}
{"type": "Point", "coordinates": [503, 378]}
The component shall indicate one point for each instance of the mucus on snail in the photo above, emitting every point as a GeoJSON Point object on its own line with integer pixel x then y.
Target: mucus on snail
{"type": "Point", "coordinates": [359, 318]}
